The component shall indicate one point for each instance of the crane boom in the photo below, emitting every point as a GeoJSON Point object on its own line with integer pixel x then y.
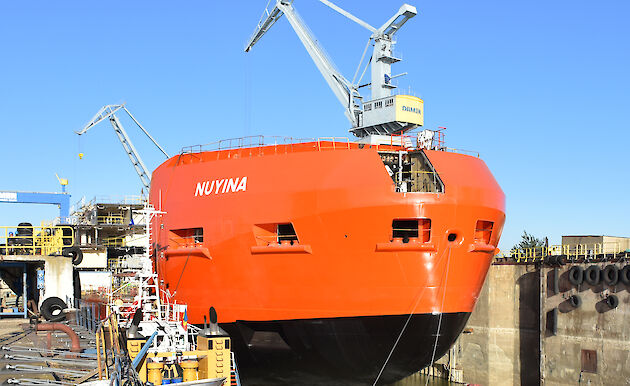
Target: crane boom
{"type": "Point", "coordinates": [109, 112]}
{"type": "Point", "coordinates": [341, 87]}
{"type": "Point", "coordinates": [395, 114]}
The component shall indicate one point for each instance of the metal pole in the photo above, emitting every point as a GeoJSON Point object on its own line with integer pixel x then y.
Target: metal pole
{"type": "Point", "coordinates": [24, 295]}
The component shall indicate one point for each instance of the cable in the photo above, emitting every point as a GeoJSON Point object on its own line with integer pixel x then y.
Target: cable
{"type": "Point", "coordinates": [407, 322]}
{"type": "Point", "coordinates": [437, 335]}
{"type": "Point", "coordinates": [181, 274]}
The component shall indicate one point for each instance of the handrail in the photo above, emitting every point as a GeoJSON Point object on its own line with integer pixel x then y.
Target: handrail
{"type": "Point", "coordinates": [35, 240]}
{"type": "Point", "coordinates": [258, 144]}
{"type": "Point", "coordinates": [116, 219]}
{"type": "Point", "coordinates": [572, 252]}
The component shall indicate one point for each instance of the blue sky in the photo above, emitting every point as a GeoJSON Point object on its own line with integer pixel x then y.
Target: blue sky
{"type": "Point", "coordinates": [540, 88]}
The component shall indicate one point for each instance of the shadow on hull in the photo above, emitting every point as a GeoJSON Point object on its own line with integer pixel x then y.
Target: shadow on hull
{"type": "Point", "coordinates": [352, 348]}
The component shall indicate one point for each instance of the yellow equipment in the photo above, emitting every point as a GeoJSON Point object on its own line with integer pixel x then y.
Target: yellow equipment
{"type": "Point", "coordinates": [190, 370]}
{"type": "Point", "coordinates": [133, 348]}
{"type": "Point", "coordinates": [155, 372]}
{"type": "Point", "coordinates": [216, 362]}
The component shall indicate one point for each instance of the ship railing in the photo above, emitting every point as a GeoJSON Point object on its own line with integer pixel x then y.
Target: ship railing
{"type": "Point", "coordinates": [278, 239]}
{"type": "Point", "coordinates": [570, 252]}
{"type": "Point", "coordinates": [462, 151]}
{"type": "Point", "coordinates": [111, 219]}
{"type": "Point", "coordinates": [35, 240]}
{"type": "Point", "coordinates": [115, 199]}
{"type": "Point", "coordinates": [253, 141]}
{"type": "Point", "coordinates": [186, 241]}
{"type": "Point", "coordinates": [258, 144]}
{"type": "Point", "coordinates": [114, 241]}
{"type": "Point", "coordinates": [333, 143]}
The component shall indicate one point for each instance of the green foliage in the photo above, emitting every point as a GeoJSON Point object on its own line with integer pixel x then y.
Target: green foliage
{"type": "Point", "coordinates": [529, 241]}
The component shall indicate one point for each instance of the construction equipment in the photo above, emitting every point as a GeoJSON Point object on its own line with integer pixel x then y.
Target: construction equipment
{"type": "Point", "coordinates": [384, 114]}
{"type": "Point", "coordinates": [62, 200]}
{"type": "Point", "coordinates": [109, 112]}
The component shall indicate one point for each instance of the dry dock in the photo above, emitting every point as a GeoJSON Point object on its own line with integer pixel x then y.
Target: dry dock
{"type": "Point", "coordinates": [534, 325]}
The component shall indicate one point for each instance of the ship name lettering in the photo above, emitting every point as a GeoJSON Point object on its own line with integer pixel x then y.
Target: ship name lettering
{"type": "Point", "coordinates": [224, 185]}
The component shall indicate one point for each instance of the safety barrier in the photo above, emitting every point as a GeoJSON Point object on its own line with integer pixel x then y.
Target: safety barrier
{"type": "Point", "coordinates": [572, 252]}
{"type": "Point", "coordinates": [114, 241]}
{"type": "Point", "coordinates": [111, 219]}
{"type": "Point", "coordinates": [266, 145]}
{"type": "Point", "coordinates": [35, 240]}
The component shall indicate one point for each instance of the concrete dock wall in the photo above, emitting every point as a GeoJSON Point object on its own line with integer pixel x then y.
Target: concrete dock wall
{"type": "Point", "coordinates": [591, 344]}
{"type": "Point", "coordinates": [500, 345]}
{"type": "Point", "coordinates": [514, 338]}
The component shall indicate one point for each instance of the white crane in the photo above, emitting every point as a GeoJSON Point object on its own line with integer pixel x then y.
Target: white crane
{"type": "Point", "coordinates": [383, 114]}
{"type": "Point", "coordinates": [109, 112]}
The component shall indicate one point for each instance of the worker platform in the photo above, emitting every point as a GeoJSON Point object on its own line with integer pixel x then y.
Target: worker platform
{"type": "Point", "coordinates": [36, 263]}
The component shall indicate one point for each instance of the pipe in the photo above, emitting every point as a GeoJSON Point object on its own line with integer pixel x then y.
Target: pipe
{"type": "Point", "coordinates": [143, 351]}
{"type": "Point", "coordinates": [76, 346]}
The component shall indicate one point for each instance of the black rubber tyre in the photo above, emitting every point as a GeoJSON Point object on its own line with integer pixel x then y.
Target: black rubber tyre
{"type": "Point", "coordinates": [575, 301]}
{"type": "Point", "coordinates": [24, 231]}
{"type": "Point", "coordinates": [67, 233]}
{"type": "Point", "coordinates": [52, 309]}
{"type": "Point", "coordinates": [612, 301]}
{"type": "Point", "coordinates": [624, 275]}
{"type": "Point", "coordinates": [592, 275]}
{"type": "Point", "coordinates": [576, 275]}
{"type": "Point", "coordinates": [75, 253]}
{"type": "Point", "coordinates": [610, 274]}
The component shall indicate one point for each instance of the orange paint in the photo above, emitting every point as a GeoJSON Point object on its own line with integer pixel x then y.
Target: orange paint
{"type": "Point", "coordinates": [341, 203]}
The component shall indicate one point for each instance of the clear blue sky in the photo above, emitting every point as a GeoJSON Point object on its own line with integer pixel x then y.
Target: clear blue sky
{"type": "Point", "coordinates": [540, 88]}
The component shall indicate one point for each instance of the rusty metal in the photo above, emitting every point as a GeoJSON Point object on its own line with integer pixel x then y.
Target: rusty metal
{"type": "Point", "coordinates": [76, 345]}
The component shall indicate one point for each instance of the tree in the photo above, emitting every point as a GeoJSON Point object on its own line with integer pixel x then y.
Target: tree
{"type": "Point", "coordinates": [529, 241]}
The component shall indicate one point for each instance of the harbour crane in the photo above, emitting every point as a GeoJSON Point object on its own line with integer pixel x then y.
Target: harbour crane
{"type": "Point", "coordinates": [384, 113]}
{"type": "Point", "coordinates": [109, 112]}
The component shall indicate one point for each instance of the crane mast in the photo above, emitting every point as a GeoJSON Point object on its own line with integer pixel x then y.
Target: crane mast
{"type": "Point", "coordinates": [384, 113]}
{"type": "Point", "coordinates": [109, 112]}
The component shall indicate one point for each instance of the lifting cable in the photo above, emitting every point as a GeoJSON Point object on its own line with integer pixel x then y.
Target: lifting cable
{"type": "Point", "coordinates": [439, 260]}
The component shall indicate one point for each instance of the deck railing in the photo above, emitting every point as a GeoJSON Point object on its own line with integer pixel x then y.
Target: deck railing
{"type": "Point", "coordinates": [35, 240]}
{"type": "Point", "coordinates": [259, 145]}
{"type": "Point", "coordinates": [571, 252]}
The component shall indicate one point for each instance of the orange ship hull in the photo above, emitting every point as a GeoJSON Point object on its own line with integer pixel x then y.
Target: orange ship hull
{"type": "Point", "coordinates": [341, 270]}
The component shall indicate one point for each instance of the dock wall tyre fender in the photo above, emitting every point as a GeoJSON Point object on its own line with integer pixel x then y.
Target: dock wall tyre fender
{"type": "Point", "coordinates": [612, 301]}
{"type": "Point", "coordinates": [560, 260]}
{"type": "Point", "coordinates": [624, 275]}
{"type": "Point", "coordinates": [52, 309]}
{"type": "Point", "coordinates": [592, 275]}
{"type": "Point", "coordinates": [575, 301]}
{"type": "Point", "coordinates": [576, 275]}
{"type": "Point", "coordinates": [75, 253]}
{"type": "Point", "coordinates": [611, 275]}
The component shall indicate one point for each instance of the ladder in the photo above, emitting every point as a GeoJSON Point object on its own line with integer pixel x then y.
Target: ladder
{"type": "Point", "coordinates": [235, 380]}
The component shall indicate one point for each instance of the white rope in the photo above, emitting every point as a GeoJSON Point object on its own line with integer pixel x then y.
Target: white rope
{"type": "Point", "coordinates": [406, 323]}
{"type": "Point", "coordinates": [437, 335]}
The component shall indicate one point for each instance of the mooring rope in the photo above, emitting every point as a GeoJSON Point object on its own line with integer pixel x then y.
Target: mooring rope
{"type": "Point", "coordinates": [437, 335]}
{"type": "Point", "coordinates": [407, 322]}
{"type": "Point", "coordinates": [181, 274]}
